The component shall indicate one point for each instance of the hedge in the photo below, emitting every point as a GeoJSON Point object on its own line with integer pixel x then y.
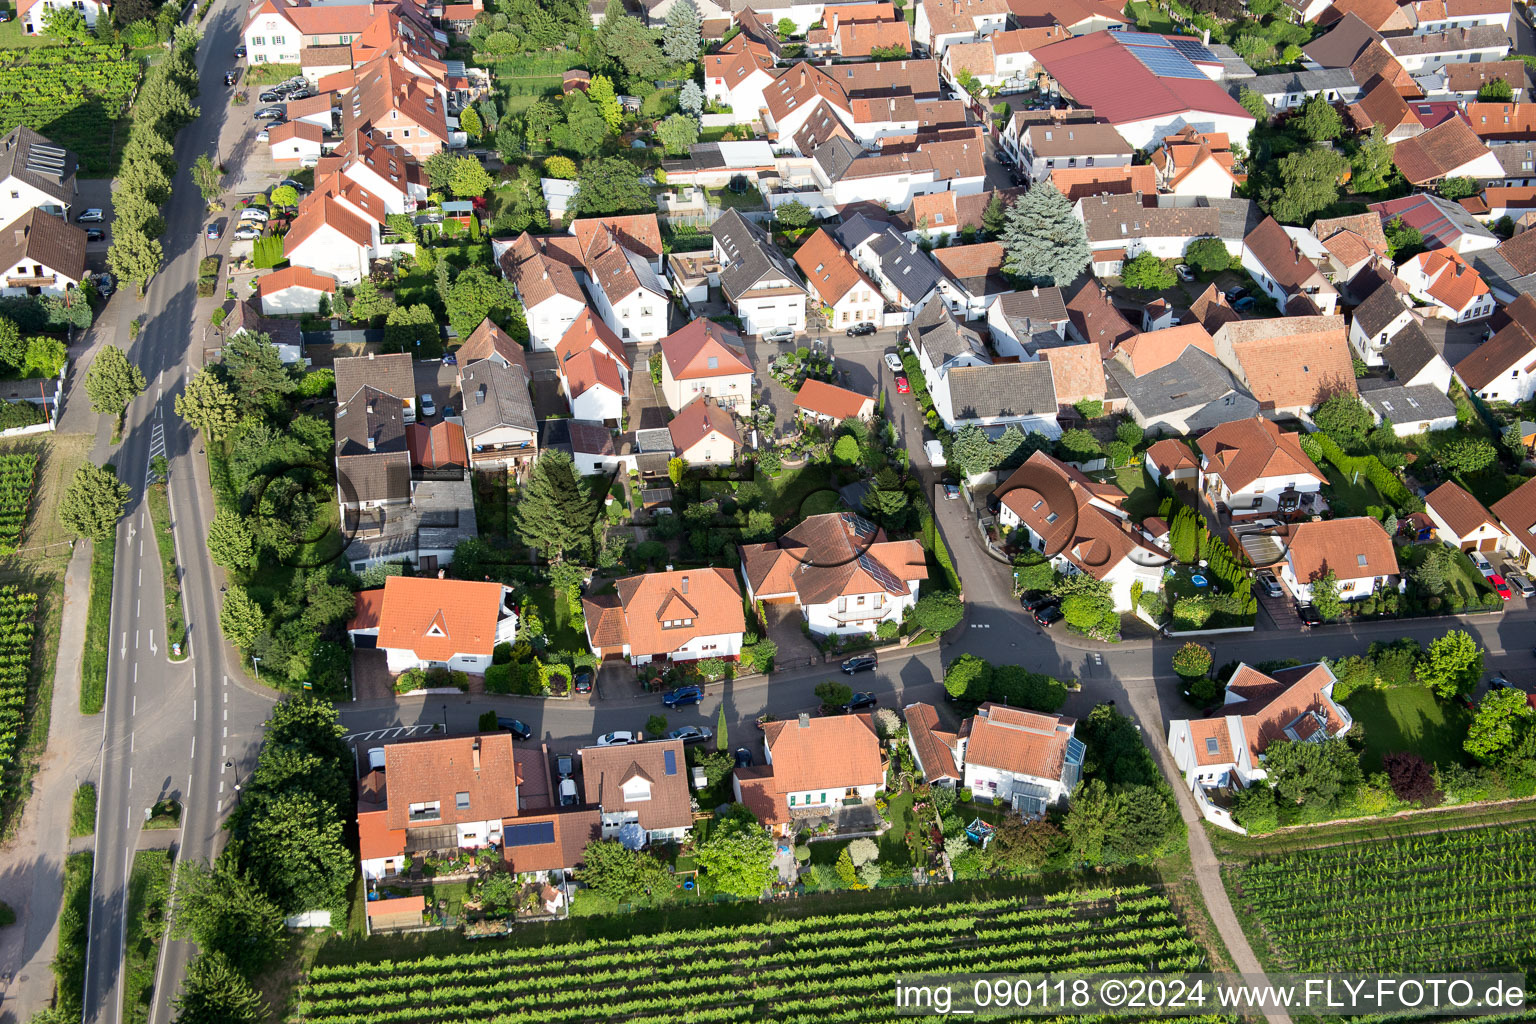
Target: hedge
{"type": "Point", "coordinates": [1320, 446]}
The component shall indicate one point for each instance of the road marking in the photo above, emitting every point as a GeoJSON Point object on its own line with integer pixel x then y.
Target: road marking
{"type": "Point", "coordinates": [222, 768]}
{"type": "Point", "coordinates": [141, 576]}
{"type": "Point", "coordinates": [226, 696]}
{"type": "Point", "coordinates": [130, 779]}
{"type": "Point", "coordinates": [152, 648]}
{"type": "Point", "coordinates": [124, 652]}
{"type": "Point", "coordinates": [224, 751]}
{"type": "Point", "coordinates": [135, 706]}
{"type": "Point", "coordinates": [141, 548]}
{"type": "Point", "coordinates": [226, 733]}
{"type": "Point", "coordinates": [130, 743]}
{"type": "Point", "coordinates": [193, 755]}
{"type": "Point", "coordinates": [135, 672]}
{"type": "Point", "coordinates": [221, 787]}
{"type": "Point", "coordinates": [194, 709]}
{"type": "Point", "coordinates": [226, 714]}
{"type": "Point", "coordinates": [135, 639]}
{"type": "Point", "coordinates": [136, 607]}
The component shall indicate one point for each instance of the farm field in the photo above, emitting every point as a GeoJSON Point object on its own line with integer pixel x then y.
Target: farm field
{"type": "Point", "coordinates": [781, 968]}
{"type": "Point", "coordinates": [16, 616]}
{"type": "Point", "coordinates": [72, 94]}
{"type": "Point", "coordinates": [17, 473]}
{"type": "Point", "coordinates": [1435, 901]}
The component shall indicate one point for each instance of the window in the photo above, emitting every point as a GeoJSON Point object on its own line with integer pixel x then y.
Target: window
{"type": "Point", "coordinates": [405, 134]}
{"type": "Point", "coordinates": [278, 40]}
{"type": "Point", "coordinates": [262, 41]}
{"type": "Point", "coordinates": [791, 799]}
{"type": "Point", "coordinates": [461, 801]}
{"type": "Point", "coordinates": [15, 195]}
{"type": "Point", "coordinates": [425, 811]}
{"type": "Point", "coordinates": [1211, 746]}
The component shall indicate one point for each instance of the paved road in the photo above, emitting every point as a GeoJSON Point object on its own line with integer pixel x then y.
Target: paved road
{"type": "Point", "coordinates": [170, 728]}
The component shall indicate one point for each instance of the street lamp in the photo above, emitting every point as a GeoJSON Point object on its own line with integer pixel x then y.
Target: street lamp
{"type": "Point", "coordinates": [231, 764]}
{"type": "Point", "coordinates": [255, 661]}
{"type": "Point", "coordinates": [445, 719]}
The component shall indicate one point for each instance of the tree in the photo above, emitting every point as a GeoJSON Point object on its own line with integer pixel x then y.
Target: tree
{"type": "Point", "coordinates": [1372, 163]}
{"type": "Point", "coordinates": [1208, 255]}
{"type": "Point", "coordinates": [682, 35]}
{"type": "Point", "coordinates": [469, 123]}
{"type": "Point", "coordinates": [469, 178]}
{"type": "Point", "coordinates": [1459, 188]}
{"type": "Point", "coordinates": [1192, 661]}
{"type": "Point", "coordinates": [1503, 719]}
{"type": "Point", "coordinates": [1083, 611]}
{"type": "Point", "coordinates": [1087, 822]}
{"type": "Point", "coordinates": [690, 99]}
{"type": "Point", "coordinates": [1346, 419]}
{"type": "Point", "coordinates": [66, 23]}
{"type": "Point", "coordinates": [1304, 772]}
{"type": "Point", "coordinates": [206, 176]}
{"type": "Point", "coordinates": [1130, 432]}
{"type": "Point", "coordinates": [1433, 573]}
{"type": "Point", "coordinates": [475, 295]}
{"type": "Point", "coordinates": [439, 167]}
{"type": "Point", "coordinates": [605, 100]}
{"type": "Point", "coordinates": [785, 28]}
{"type": "Point", "coordinates": [937, 612]}
{"type": "Point", "coordinates": [112, 381]}
{"type": "Point", "coordinates": [677, 468]}
{"type": "Point", "coordinates": [413, 329]}
{"type": "Point", "coordinates": [134, 256]}
{"type": "Point", "coordinates": [1325, 595]}
{"type": "Point", "coordinates": [552, 514]}
{"type": "Point", "coordinates": [584, 128]}
{"type": "Point", "coordinates": [994, 219]}
{"type": "Point", "coordinates": [255, 372]}
{"type": "Point", "coordinates": [1043, 238]}
{"type": "Point", "coordinates": [677, 133]}
{"type": "Point", "coordinates": [969, 677]}
{"type": "Point", "coordinates": [215, 992]}
{"type": "Point", "coordinates": [1254, 103]}
{"type": "Point", "coordinates": [793, 214]}
{"type": "Point", "coordinates": [1451, 665]}
{"type": "Point", "coordinates": [295, 849]}
{"type": "Point", "coordinates": [833, 694]}
{"type": "Point", "coordinates": [562, 167]}
{"type": "Point", "coordinates": [627, 42]}
{"type": "Point", "coordinates": [737, 857]}
{"type": "Point", "coordinates": [286, 196]}
{"type": "Point", "coordinates": [1402, 238]}
{"type": "Point", "coordinates": [1309, 182]}
{"type": "Point", "coordinates": [610, 185]}
{"type": "Point", "coordinates": [972, 451]}
{"type": "Point", "coordinates": [1021, 845]}
{"type": "Point", "coordinates": [230, 540]}
{"type": "Point", "coordinates": [1495, 90]}
{"type": "Point", "coordinates": [94, 502]}
{"type": "Point", "coordinates": [241, 618]}
{"type": "Point", "coordinates": [622, 875]}
{"type": "Point", "coordinates": [1411, 778]}
{"type": "Point", "coordinates": [1320, 120]}
{"type": "Point", "coordinates": [1147, 273]}
{"type": "Point", "coordinates": [221, 910]}
{"type": "Point", "coordinates": [1468, 455]}
{"type": "Point", "coordinates": [207, 405]}
{"type": "Point", "coordinates": [1078, 445]}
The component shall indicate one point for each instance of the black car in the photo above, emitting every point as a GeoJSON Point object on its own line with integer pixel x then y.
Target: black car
{"type": "Point", "coordinates": [860, 663]}
{"type": "Point", "coordinates": [1498, 683]}
{"type": "Point", "coordinates": [583, 679]}
{"type": "Point", "coordinates": [229, 78]}
{"type": "Point", "coordinates": [270, 96]}
{"type": "Point", "coordinates": [1048, 615]}
{"type": "Point", "coordinates": [239, 51]}
{"type": "Point", "coordinates": [743, 757]}
{"type": "Point", "coordinates": [861, 329]}
{"type": "Point", "coordinates": [517, 729]}
{"type": "Point", "coordinates": [1034, 602]}
{"type": "Point", "coordinates": [271, 114]}
{"type": "Point", "coordinates": [1309, 615]}
{"type": "Point", "coordinates": [861, 700]}
{"type": "Point", "coordinates": [94, 234]}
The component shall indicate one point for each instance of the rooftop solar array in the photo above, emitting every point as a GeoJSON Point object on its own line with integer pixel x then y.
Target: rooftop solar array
{"type": "Point", "coordinates": [1195, 50]}
{"type": "Point", "coordinates": [539, 833]}
{"type": "Point", "coordinates": [880, 574]}
{"type": "Point", "coordinates": [47, 160]}
{"type": "Point", "coordinates": [1161, 56]}
{"type": "Point", "coordinates": [669, 761]}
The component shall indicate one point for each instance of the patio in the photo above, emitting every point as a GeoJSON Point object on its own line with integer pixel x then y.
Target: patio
{"type": "Point", "coordinates": [845, 820]}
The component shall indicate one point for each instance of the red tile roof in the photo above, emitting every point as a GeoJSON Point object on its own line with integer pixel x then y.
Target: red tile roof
{"type": "Point", "coordinates": [1243, 451]}
{"type": "Point", "coordinates": [689, 350]}
{"type": "Point", "coordinates": [1018, 741]}
{"type": "Point", "coordinates": [708, 600]}
{"type": "Point", "coordinates": [605, 770]}
{"type": "Point", "coordinates": [698, 420]}
{"type": "Point", "coordinates": [935, 747]}
{"type": "Point", "coordinates": [1171, 455]}
{"type": "Point", "coordinates": [823, 753]}
{"type": "Point", "coordinates": [439, 446]}
{"type": "Point", "coordinates": [1292, 362]}
{"type": "Point", "coordinates": [1517, 511]}
{"type": "Point", "coordinates": [825, 399]}
{"type": "Point", "coordinates": [1353, 548]}
{"type": "Point", "coordinates": [1459, 510]}
{"type": "Point", "coordinates": [1438, 152]}
{"type": "Point", "coordinates": [438, 618]}
{"type": "Point", "coordinates": [294, 277]}
{"type": "Point", "coordinates": [829, 269]}
{"type": "Point", "coordinates": [1154, 350]}
{"type": "Point", "coordinates": [426, 770]}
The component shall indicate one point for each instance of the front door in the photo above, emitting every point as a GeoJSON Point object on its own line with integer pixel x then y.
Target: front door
{"type": "Point", "coordinates": [429, 563]}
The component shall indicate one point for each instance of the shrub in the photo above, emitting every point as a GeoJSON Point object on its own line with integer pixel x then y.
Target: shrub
{"type": "Point", "coordinates": [1411, 778]}
{"type": "Point", "coordinates": [887, 630]}
{"type": "Point", "coordinates": [1192, 661]}
{"type": "Point", "coordinates": [1255, 809]}
{"type": "Point", "coordinates": [501, 654]}
{"type": "Point", "coordinates": [1192, 612]}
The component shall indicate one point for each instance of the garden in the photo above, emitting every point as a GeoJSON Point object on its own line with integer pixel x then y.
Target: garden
{"type": "Point", "coordinates": [75, 95]}
{"type": "Point", "coordinates": [17, 613]}
{"type": "Point", "coordinates": [793, 369]}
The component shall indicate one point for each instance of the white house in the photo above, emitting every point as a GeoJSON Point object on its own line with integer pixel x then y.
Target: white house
{"type": "Point", "coordinates": [1357, 550]}
{"type": "Point", "coordinates": [908, 277]}
{"type": "Point", "coordinates": [736, 75]}
{"type": "Point", "coordinates": [812, 765]}
{"type": "Point", "coordinates": [41, 255]}
{"type": "Point", "coordinates": [756, 278]}
{"type": "Point", "coordinates": [626, 292]}
{"type": "Point", "coordinates": [685, 615]}
{"type": "Point", "coordinates": [547, 287]}
{"type": "Point", "coordinates": [1462, 521]}
{"type": "Point", "coordinates": [428, 622]}
{"type": "Point", "coordinates": [331, 239]}
{"type": "Point", "coordinates": [643, 784]}
{"type": "Point", "coordinates": [275, 31]}
{"type": "Point", "coordinates": [34, 173]}
{"type": "Point", "coordinates": [839, 570]}
{"type": "Point", "coordinates": [941, 23]}
{"type": "Point", "coordinates": [295, 143]}
{"type": "Point", "coordinates": [1227, 751]}
{"type": "Point", "coordinates": [294, 290]}
{"type": "Point", "coordinates": [1254, 467]}
{"type": "Point", "coordinates": [1170, 459]}
{"type": "Point", "coordinates": [33, 13]}
{"type": "Point", "coordinates": [593, 370]}
{"type": "Point", "coordinates": [1045, 147]}
{"type": "Point", "coordinates": [1445, 280]}
{"type": "Point", "coordinates": [1080, 526]}
{"type": "Point", "coordinates": [1503, 368]}
{"type": "Point", "coordinates": [1028, 760]}
{"type": "Point", "coordinates": [1412, 410]}
{"type": "Point", "coordinates": [1376, 321]}
{"type": "Point", "coordinates": [704, 434]}
{"type": "Point", "coordinates": [1281, 261]}
{"type": "Point", "coordinates": [706, 358]}
{"type": "Point", "coordinates": [838, 282]}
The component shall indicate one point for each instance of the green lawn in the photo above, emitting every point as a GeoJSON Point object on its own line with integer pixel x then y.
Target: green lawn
{"type": "Point", "coordinates": [557, 620]}
{"type": "Point", "coordinates": [148, 890]}
{"type": "Point", "coordinates": [786, 493]}
{"type": "Point", "coordinates": [11, 34]}
{"type": "Point", "coordinates": [82, 817]}
{"type": "Point", "coordinates": [1141, 493]}
{"type": "Point", "coordinates": [1409, 718]}
{"type": "Point", "coordinates": [1467, 583]}
{"type": "Point", "coordinates": [98, 623]}
{"type": "Point", "coordinates": [1350, 497]}
{"type": "Point", "coordinates": [1150, 19]}
{"type": "Point", "coordinates": [893, 845]}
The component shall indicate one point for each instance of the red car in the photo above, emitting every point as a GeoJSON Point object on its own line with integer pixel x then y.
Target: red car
{"type": "Point", "coordinates": [1500, 586]}
{"type": "Point", "coordinates": [902, 387]}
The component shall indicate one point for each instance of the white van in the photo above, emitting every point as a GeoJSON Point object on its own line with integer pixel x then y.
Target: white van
{"type": "Point", "coordinates": [935, 452]}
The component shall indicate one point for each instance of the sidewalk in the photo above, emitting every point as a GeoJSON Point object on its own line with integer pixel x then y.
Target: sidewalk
{"type": "Point", "coordinates": [32, 883]}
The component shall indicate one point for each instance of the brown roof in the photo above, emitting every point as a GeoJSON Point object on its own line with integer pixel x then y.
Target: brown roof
{"type": "Point", "coordinates": [1096, 318]}
{"type": "Point", "coordinates": [1382, 106]}
{"type": "Point", "coordinates": [973, 57]}
{"type": "Point", "coordinates": [1058, 504]}
{"type": "Point", "coordinates": [1472, 77]}
{"type": "Point", "coordinates": [1378, 14]}
{"type": "Point", "coordinates": [836, 554]}
{"type": "Point", "coordinates": [1520, 251]}
{"type": "Point", "coordinates": [438, 618]}
{"type": "Point", "coordinates": [951, 16]}
{"type": "Point", "coordinates": [538, 273]}
{"type": "Point", "coordinates": [835, 752]}
{"type": "Point", "coordinates": [489, 340]}
{"type": "Point", "coordinates": [323, 209]}
{"type": "Point", "coordinates": [320, 103]}
{"type": "Point", "coordinates": [294, 277]}
{"type": "Point", "coordinates": [437, 447]}
{"type": "Point", "coordinates": [391, 374]}
{"type": "Point", "coordinates": [605, 770]}
{"type": "Point", "coordinates": [426, 770]}
{"type": "Point", "coordinates": [1242, 451]}
{"type": "Point", "coordinates": [366, 606]}
{"type": "Point", "coordinates": [1022, 742]}
{"type": "Point", "coordinates": [589, 353]}
{"type": "Point", "coordinates": [830, 270]}
{"type": "Point", "coordinates": [574, 829]}
{"type": "Point", "coordinates": [935, 748]}
{"type": "Point", "coordinates": [1212, 310]}
{"type": "Point", "coordinates": [690, 350]}
{"type": "Point", "coordinates": [856, 39]}
{"type": "Point", "coordinates": [967, 262]}
{"type": "Point", "coordinates": [1077, 371]}
{"type": "Point", "coordinates": [1171, 455]}
{"type": "Point", "coordinates": [1452, 281]}
{"type": "Point", "coordinates": [1292, 362]}
{"type": "Point", "coordinates": [708, 600]}
{"type": "Point", "coordinates": [799, 87]}
{"type": "Point", "coordinates": [1460, 511]}
{"type": "Point", "coordinates": [1267, 707]}
{"type": "Point", "coordinates": [1279, 254]}
{"type": "Point", "coordinates": [1143, 353]}
{"type": "Point", "coordinates": [1353, 548]}
{"type": "Point", "coordinates": [1517, 511]}
{"type": "Point", "coordinates": [1511, 347]}
{"type": "Point", "coordinates": [38, 237]}
{"type": "Point", "coordinates": [825, 399]}
{"type": "Point", "coordinates": [910, 77]}
{"type": "Point", "coordinates": [1438, 152]}
{"type": "Point", "coordinates": [1076, 140]}
{"type": "Point", "coordinates": [700, 418]}
{"type": "Point", "coordinates": [1078, 182]}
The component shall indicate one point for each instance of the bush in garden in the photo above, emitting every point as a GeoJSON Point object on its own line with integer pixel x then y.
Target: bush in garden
{"type": "Point", "coordinates": [1192, 661]}
{"type": "Point", "coordinates": [862, 851]}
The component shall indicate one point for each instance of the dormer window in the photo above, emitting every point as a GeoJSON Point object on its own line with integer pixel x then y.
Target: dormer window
{"type": "Point", "coordinates": [461, 801]}
{"type": "Point", "coordinates": [430, 810]}
{"type": "Point", "coordinates": [636, 790]}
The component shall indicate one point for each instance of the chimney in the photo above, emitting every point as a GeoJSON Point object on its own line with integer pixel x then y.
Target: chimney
{"type": "Point", "coordinates": [805, 719]}
{"type": "Point", "coordinates": [1207, 37]}
{"type": "Point", "coordinates": [1035, 291]}
{"type": "Point", "coordinates": [370, 355]}
{"type": "Point", "coordinates": [370, 442]}
{"type": "Point", "coordinates": [474, 753]}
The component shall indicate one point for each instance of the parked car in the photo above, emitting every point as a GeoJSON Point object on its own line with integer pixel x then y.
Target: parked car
{"type": "Point", "coordinates": [246, 232]}
{"type": "Point", "coordinates": [743, 757]}
{"type": "Point", "coordinates": [902, 387]}
{"type": "Point", "coordinates": [893, 362]}
{"type": "Point", "coordinates": [1034, 602]}
{"type": "Point", "coordinates": [93, 215]}
{"type": "Point", "coordinates": [583, 679]}
{"type": "Point", "coordinates": [1481, 561]}
{"type": "Point", "coordinates": [270, 96]}
{"type": "Point", "coordinates": [297, 186]}
{"type": "Point", "coordinates": [1519, 581]}
{"type": "Point", "coordinates": [1268, 584]}
{"type": "Point", "coordinates": [690, 734]}
{"type": "Point", "coordinates": [256, 213]}
{"type": "Point", "coordinates": [229, 77]}
{"type": "Point", "coordinates": [239, 51]}
{"type": "Point", "coordinates": [1233, 294]}
{"type": "Point", "coordinates": [518, 730]}
{"type": "Point", "coordinates": [428, 407]}
{"type": "Point", "coordinates": [375, 759]}
{"type": "Point", "coordinates": [779, 334]}
{"type": "Point", "coordinates": [1309, 615]}
{"type": "Point", "coordinates": [270, 113]}
{"type": "Point", "coordinates": [861, 700]}
{"type": "Point", "coordinates": [303, 92]}
{"type": "Point", "coordinates": [106, 284]}
{"type": "Point", "coordinates": [860, 663]}
{"type": "Point", "coordinates": [4, 17]}
{"type": "Point", "coordinates": [934, 450]}
{"type": "Point", "coordinates": [263, 135]}
{"type": "Point", "coordinates": [1185, 274]}
{"type": "Point", "coordinates": [682, 696]}
{"type": "Point", "coordinates": [951, 492]}
{"type": "Point", "coordinates": [567, 792]}
{"type": "Point", "coordinates": [1498, 683]}
{"type": "Point", "coordinates": [1500, 587]}
{"type": "Point", "coordinates": [95, 234]}
{"type": "Point", "coordinates": [214, 229]}
{"type": "Point", "coordinates": [858, 330]}
{"type": "Point", "coordinates": [565, 766]}
{"type": "Point", "coordinates": [618, 739]}
{"type": "Point", "coordinates": [1048, 615]}
{"type": "Point", "coordinates": [1244, 304]}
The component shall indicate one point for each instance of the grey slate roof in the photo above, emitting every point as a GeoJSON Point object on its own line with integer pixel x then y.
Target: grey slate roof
{"type": "Point", "coordinates": [854, 230]}
{"type": "Point", "coordinates": [1002, 390]}
{"type": "Point", "coordinates": [1517, 159]}
{"type": "Point", "coordinates": [1192, 380]}
{"type": "Point", "coordinates": [1500, 275]}
{"type": "Point", "coordinates": [751, 254]}
{"type": "Point", "coordinates": [1409, 405]}
{"type": "Point", "coordinates": [1123, 217]}
{"type": "Point", "coordinates": [1235, 217]}
{"type": "Point", "coordinates": [904, 264]}
{"type": "Point", "coordinates": [1339, 47]}
{"type": "Point", "coordinates": [835, 156]}
{"type": "Point", "coordinates": [1234, 65]}
{"type": "Point", "coordinates": [1038, 305]}
{"type": "Point", "coordinates": [495, 395]}
{"type": "Point", "coordinates": [1410, 351]}
{"type": "Point", "coordinates": [943, 337]}
{"type": "Point", "coordinates": [1379, 309]}
{"type": "Point", "coordinates": [1341, 79]}
{"type": "Point", "coordinates": [29, 157]}
{"type": "Point", "coordinates": [1477, 37]}
{"type": "Point", "coordinates": [379, 473]}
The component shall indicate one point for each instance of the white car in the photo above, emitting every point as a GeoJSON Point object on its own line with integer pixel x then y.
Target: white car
{"type": "Point", "coordinates": [375, 759]}
{"type": "Point", "coordinates": [427, 406]}
{"type": "Point", "coordinates": [246, 232]}
{"type": "Point", "coordinates": [1482, 563]}
{"type": "Point", "coordinates": [263, 135]}
{"type": "Point", "coordinates": [255, 213]}
{"type": "Point", "coordinates": [779, 334]}
{"type": "Point", "coordinates": [618, 739]}
{"type": "Point", "coordinates": [893, 362]}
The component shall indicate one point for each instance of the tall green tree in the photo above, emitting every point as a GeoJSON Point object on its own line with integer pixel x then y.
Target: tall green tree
{"type": "Point", "coordinates": [610, 185]}
{"type": "Point", "coordinates": [112, 381]}
{"type": "Point", "coordinates": [1451, 665]}
{"type": "Point", "coordinates": [469, 178]}
{"type": "Point", "coordinates": [214, 992]}
{"type": "Point", "coordinates": [230, 540]}
{"type": "Point", "coordinates": [606, 99]}
{"type": "Point", "coordinates": [994, 219]}
{"type": "Point", "coordinates": [241, 618]}
{"type": "Point", "coordinates": [469, 123]}
{"type": "Point", "coordinates": [1309, 183]}
{"type": "Point", "coordinates": [552, 514]}
{"type": "Point", "coordinates": [206, 176]}
{"type": "Point", "coordinates": [1254, 104]}
{"type": "Point", "coordinates": [207, 405]}
{"type": "Point", "coordinates": [134, 256]}
{"type": "Point", "coordinates": [1312, 773]}
{"type": "Point", "coordinates": [1043, 239]}
{"type": "Point", "coordinates": [1147, 273]}
{"type": "Point", "coordinates": [682, 36]}
{"type": "Point", "coordinates": [584, 128]}
{"type": "Point", "coordinates": [94, 502]}
{"type": "Point", "coordinates": [438, 168]}
{"type": "Point", "coordinates": [623, 875]}
{"type": "Point", "coordinates": [1345, 418]}
{"type": "Point", "coordinates": [224, 912]}
{"type": "Point", "coordinates": [1321, 121]}
{"type": "Point", "coordinates": [1504, 717]}
{"type": "Point", "coordinates": [1325, 594]}
{"type": "Point", "coordinates": [475, 295]}
{"type": "Point", "coordinates": [1372, 163]}
{"type": "Point", "coordinates": [737, 856]}
{"type": "Point", "coordinates": [677, 133]}
{"type": "Point", "coordinates": [255, 371]}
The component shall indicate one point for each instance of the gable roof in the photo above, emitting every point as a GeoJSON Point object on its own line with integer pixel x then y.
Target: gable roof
{"type": "Point", "coordinates": [1193, 380]}
{"type": "Point", "coordinates": [425, 771]}
{"type": "Point", "coordinates": [1171, 455]}
{"type": "Point", "coordinates": [835, 752]}
{"type": "Point", "coordinates": [1092, 139]}
{"type": "Point", "coordinates": [1512, 346]}
{"type": "Point", "coordinates": [704, 348]}
{"type": "Point", "coordinates": [711, 598]}
{"type": "Point", "coordinates": [1119, 218]}
{"type": "Point", "coordinates": [495, 395]}
{"type": "Point", "coordinates": [390, 373]}
{"type": "Point", "coordinates": [700, 418]}
{"type": "Point", "coordinates": [637, 232]}
{"type": "Point", "coordinates": [1018, 741]}
{"type": "Point", "coordinates": [934, 747]}
{"type": "Point", "coordinates": [1243, 451]}
{"type": "Point", "coordinates": [829, 269]}
{"type": "Point", "coordinates": [1291, 704]}
{"type": "Point", "coordinates": [837, 554]}
{"type": "Point", "coordinates": [1438, 152]}
{"type": "Point", "coordinates": [825, 399]}
{"type": "Point", "coordinates": [47, 167]}
{"type": "Point", "coordinates": [38, 237]}
{"type": "Point", "coordinates": [1416, 404]}
{"type": "Point", "coordinates": [1353, 548]}
{"type": "Point", "coordinates": [538, 273]}
{"type": "Point", "coordinates": [294, 277]}
{"type": "Point", "coordinates": [1077, 372]}
{"type": "Point", "coordinates": [1097, 319]}
{"type": "Point", "coordinates": [1281, 256]}
{"type": "Point", "coordinates": [1292, 362]}
{"type": "Point", "coordinates": [605, 770]}
{"type": "Point", "coordinates": [488, 340]}
{"type": "Point", "coordinates": [1143, 353]}
{"type": "Point", "coordinates": [1002, 390]}
{"type": "Point", "coordinates": [1517, 511]}
{"type": "Point", "coordinates": [438, 446]}
{"type": "Point", "coordinates": [1067, 512]}
{"type": "Point", "coordinates": [323, 210]}
{"type": "Point", "coordinates": [1340, 45]}
{"type": "Point", "coordinates": [749, 255]}
{"type": "Point", "coordinates": [439, 618]}
{"type": "Point", "coordinates": [1459, 510]}
{"type": "Point", "coordinates": [1079, 182]}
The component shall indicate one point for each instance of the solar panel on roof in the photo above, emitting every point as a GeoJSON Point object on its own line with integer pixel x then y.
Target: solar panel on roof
{"type": "Point", "coordinates": [669, 761]}
{"type": "Point", "coordinates": [1168, 63]}
{"type": "Point", "coordinates": [1194, 49]}
{"type": "Point", "coordinates": [880, 574]}
{"type": "Point", "coordinates": [538, 833]}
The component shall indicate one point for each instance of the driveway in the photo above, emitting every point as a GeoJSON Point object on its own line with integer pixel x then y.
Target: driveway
{"type": "Point", "coordinates": [370, 675]}
{"type": "Point", "coordinates": [795, 648]}
{"type": "Point", "coordinates": [647, 409]}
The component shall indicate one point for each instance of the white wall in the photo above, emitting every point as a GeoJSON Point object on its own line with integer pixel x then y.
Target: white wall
{"type": "Point", "coordinates": [88, 9]}
{"type": "Point", "coordinates": [720, 645]}
{"type": "Point", "coordinates": [714, 449]}
{"type": "Point", "coordinates": [1369, 349]}
{"type": "Point", "coordinates": [636, 317]}
{"type": "Point", "coordinates": [1147, 133]}
{"type": "Point", "coordinates": [271, 39]}
{"type": "Point", "coordinates": [329, 252]}
{"type": "Point", "coordinates": [402, 660]}
{"type": "Point", "coordinates": [549, 320]}
{"type": "Point", "coordinates": [26, 197]}
{"type": "Point", "coordinates": [771, 311]}
{"type": "Point", "coordinates": [734, 391]}
{"type": "Point", "coordinates": [291, 300]}
{"type": "Point", "coordinates": [838, 616]}
{"type": "Point", "coordinates": [1265, 490]}
{"type": "Point", "coordinates": [595, 403]}
{"type": "Point", "coordinates": [1514, 385]}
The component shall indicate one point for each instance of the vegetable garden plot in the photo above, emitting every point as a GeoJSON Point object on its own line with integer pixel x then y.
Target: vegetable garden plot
{"type": "Point", "coordinates": [72, 94]}
{"type": "Point", "coordinates": [834, 967]}
{"type": "Point", "coordinates": [17, 611]}
{"type": "Point", "coordinates": [17, 476]}
{"type": "Point", "coordinates": [1445, 901]}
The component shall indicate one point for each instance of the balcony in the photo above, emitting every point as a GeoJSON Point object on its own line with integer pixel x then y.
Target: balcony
{"type": "Point", "coordinates": [31, 281]}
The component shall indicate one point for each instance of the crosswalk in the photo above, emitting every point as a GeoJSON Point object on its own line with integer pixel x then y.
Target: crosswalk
{"type": "Point", "coordinates": [399, 732]}
{"type": "Point", "coordinates": [156, 448]}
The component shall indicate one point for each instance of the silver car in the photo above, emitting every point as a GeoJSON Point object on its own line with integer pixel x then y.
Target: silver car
{"type": "Point", "coordinates": [779, 334]}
